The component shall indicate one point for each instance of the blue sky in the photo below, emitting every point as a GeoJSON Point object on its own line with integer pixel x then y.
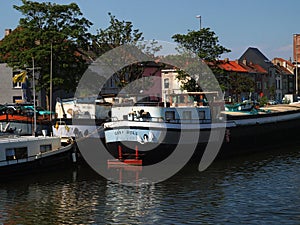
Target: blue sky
{"type": "Point", "coordinates": [266, 24]}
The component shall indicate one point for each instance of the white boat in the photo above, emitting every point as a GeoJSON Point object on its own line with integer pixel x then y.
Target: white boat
{"type": "Point", "coordinates": [77, 118]}
{"type": "Point", "coordinates": [156, 130]}
{"type": "Point", "coordinates": [29, 154]}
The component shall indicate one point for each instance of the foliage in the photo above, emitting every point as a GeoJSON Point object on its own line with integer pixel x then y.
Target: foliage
{"type": "Point", "coordinates": [203, 44]}
{"type": "Point", "coordinates": [45, 26]}
{"type": "Point", "coordinates": [240, 83]}
{"type": "Point", "coordinates": [116, 34]}
{"type": "Point", "coordinates": [263, 101]}
{"type": "Point", "coordinates": [120, 33]}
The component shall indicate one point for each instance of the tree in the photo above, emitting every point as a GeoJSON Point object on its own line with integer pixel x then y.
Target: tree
{"type": "Point", "coordinates": [240, 83]}
{"type": "Point", "coordinates": [205, 45]}
{"type": "Point", "coordinates": [120, 33]}
{"type": "Point", "coordinates": [116, 34]}
{"type": "Point", "coordinates": [45, 27]}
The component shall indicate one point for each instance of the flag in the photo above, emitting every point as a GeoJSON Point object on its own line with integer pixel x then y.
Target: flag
{"type": "Point", "coordinates": [21, 77]}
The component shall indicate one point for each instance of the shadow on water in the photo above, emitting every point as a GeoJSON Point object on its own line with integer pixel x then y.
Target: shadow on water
{"type": "Point", "coordinates": [258, 188]}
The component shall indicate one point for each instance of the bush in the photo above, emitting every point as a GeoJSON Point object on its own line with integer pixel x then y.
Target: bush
{"type": "Point", "coordinates": [263, 101]}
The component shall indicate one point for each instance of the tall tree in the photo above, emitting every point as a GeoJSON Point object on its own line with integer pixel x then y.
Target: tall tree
{"type": "Point", "coordinates": [240, 83]}
{"type": "Point", "coordinates": [48, 26]}
{"type": "Point", "coordinates": [116, 34]}
{"type": "Point", "coordinates": [205, 45]}
{"type": "Point", "coordinates": [120, 33]}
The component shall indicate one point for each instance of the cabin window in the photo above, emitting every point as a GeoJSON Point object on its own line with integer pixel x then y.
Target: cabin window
{"type": "Point", "coordinates": [16, 153]}
{"type": "Point", "coordinates": [10, 154]}
{"type": "Point", "coordinates": [45, 148]}
{"type": "Point", "coordinates": [170, 115]}
{"type": "Point", "coordinates": [187, 115]}
{"type": "Point", "coordinates": [201, 115]}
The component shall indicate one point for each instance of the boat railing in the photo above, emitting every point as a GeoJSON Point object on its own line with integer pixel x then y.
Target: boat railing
{"type": "Point", "coordinates": [162, 120]}
{"type": "Point", "coordinates": [189, 121]}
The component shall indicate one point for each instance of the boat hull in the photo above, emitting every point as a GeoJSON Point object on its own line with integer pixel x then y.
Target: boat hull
{"type": "Point", "coordinates": [57, 159]}
{"type": "Point", "coordinates": [239, 138]}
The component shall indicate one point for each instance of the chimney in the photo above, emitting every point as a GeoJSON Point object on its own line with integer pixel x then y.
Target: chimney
{"type": "Point", "coordinates": [7, 32]}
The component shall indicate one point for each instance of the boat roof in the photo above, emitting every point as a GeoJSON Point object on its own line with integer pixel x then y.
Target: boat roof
{"type": "Point", "coordinates": [17, 138]}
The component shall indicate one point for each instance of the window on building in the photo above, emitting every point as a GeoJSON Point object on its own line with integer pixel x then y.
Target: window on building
{"type": "Point", "coordinates": [291, 86]}
{"type": "Point", "coordinates": [17, 99]}
{"type": "Point", "coordinates": [166, 83]}
{"type": "Point", "coordinates": [285, 85]}
{"type": "Point", "coordinates": [258, 85]}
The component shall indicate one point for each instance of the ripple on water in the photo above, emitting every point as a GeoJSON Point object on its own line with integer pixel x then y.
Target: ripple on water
{"type": "Point", "coordinates": [258, 190]}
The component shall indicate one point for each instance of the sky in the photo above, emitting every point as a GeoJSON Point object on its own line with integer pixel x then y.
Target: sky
{"type": "Point", "coordinates": [268, 25]}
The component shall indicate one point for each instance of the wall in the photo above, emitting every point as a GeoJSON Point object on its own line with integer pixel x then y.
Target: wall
{"type": "Point", "coordinates": [7, 92]}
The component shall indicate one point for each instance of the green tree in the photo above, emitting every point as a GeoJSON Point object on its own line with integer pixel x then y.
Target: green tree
{"type": "Point", "coordinates": [47, 26]}
{"type": "Point", "coordinates": [205, 45]}
{"type": "Point", "coordinates": [116, 34]}
{"type": "Point", "coordinates": [120, 33]}
{"type": "Point", "coordinates": [240, 83]}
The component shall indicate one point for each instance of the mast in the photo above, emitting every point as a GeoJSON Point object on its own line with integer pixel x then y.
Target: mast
{"type": "Point", "coordinates": [34, 100]}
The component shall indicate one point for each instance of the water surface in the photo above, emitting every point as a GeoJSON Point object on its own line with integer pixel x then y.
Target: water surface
{"type": "Point", "coordinates": [253, 189]}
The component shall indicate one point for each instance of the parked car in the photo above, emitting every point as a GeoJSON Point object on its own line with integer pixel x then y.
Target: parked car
{"type": "Point", "coordinates": [272, 102]}
{"type": "Point", "coordinates": [25, 109]}
{"type": "Point", "coordinates": [15, 109]}
{"type": "Point", "coordinates": [40, 111]}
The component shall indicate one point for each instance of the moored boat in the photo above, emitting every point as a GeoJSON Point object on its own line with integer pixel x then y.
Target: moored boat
{"type": "Point", "coordinates": [77, 118]}
{"type": "Point", "coordinates": [31, 154]}
{"type": "Point", "coordinates": [157, 130]}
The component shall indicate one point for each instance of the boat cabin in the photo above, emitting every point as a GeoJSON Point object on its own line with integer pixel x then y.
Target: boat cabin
{"type": "Point", "coordinates": [18, 149]}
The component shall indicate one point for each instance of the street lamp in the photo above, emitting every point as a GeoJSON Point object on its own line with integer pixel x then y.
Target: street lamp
{"type": "Point", "coordinates": [199, 17]}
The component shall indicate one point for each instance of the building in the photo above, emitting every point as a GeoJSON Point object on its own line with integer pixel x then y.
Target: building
{"type": "Point", "coordinates": [279, 79]}
{"type": "Point", "coordinates": [296, 47]}
{"type": "Point", "coordinates": [9, 92]}
{"type": "Point", "coordinates": [286, 70]}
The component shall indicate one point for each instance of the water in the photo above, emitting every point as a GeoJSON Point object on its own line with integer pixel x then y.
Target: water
{"type": "Point", "coordinates": [256, 189]}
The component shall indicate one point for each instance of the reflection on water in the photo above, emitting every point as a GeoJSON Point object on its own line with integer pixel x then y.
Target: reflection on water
{"type": "Point", "coordinates": [261, 189]}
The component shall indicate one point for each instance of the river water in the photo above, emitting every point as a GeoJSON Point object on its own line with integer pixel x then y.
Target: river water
{"type": "Point", "coordinates": [255, 189]}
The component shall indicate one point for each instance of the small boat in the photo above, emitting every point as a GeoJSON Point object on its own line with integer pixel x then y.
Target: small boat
{"type": "Point", "coordinates": [31, 154]}
{"type": "Point", "coordinates": [156, 129]}
{"type": "Point", "coordinates": [247, 106]}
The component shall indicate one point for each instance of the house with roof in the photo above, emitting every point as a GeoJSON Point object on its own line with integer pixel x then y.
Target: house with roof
{"type": "Point", "coordinates": [235, 70]}
{"type": "Point", "coordinates": [279, 79]}
{"type": "Point", "coordinates": [287, 69]}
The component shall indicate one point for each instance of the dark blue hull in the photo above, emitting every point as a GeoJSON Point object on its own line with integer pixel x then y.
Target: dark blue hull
{"type": "Point", "coordinates": [54, 162]}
